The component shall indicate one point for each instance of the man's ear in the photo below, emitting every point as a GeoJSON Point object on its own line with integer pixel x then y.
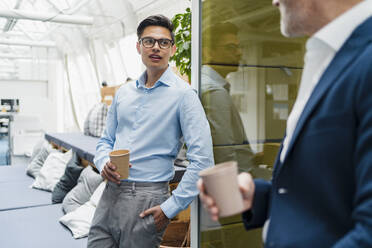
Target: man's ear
{"type": "Point", "coordinates": [138, 46]}
{"type": "Point", "coordinates": [174, 49]}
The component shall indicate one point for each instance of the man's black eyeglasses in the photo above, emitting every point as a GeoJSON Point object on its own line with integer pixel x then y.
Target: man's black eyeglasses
{"type": "Point", "coordinates": [149, 42]}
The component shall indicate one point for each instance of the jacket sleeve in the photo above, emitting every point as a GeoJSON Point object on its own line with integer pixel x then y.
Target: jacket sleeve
{"type": "Point", "coordinates": [360, 235]}
{"type": "Point", "coordinates": [258, 214]}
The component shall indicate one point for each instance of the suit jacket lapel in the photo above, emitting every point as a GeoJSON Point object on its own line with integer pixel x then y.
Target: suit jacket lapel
{"type": "Point", "coordinates": [346, 55]}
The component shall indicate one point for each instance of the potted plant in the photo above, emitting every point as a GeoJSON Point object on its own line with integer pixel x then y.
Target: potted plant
{"type": "Point", "coordinates": [182, 31]}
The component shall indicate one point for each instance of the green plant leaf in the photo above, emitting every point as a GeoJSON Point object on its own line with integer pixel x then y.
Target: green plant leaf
{"type": "Point", "coordinates": [182, 30]}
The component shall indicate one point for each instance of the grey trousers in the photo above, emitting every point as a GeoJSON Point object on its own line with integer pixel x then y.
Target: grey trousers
{"type": "Point", "coordinates": [116, 222]}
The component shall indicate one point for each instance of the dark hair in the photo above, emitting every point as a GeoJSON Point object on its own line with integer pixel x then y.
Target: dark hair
{"type": "Point", "coordinates": [155, 20]}
{"type": "Point", "coordinates": [216, 31]}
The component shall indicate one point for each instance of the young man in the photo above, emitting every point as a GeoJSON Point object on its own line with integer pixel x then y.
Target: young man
{"type": "Point", "coordinates": [321, 191]}
{"type": "Point", "coordinates": [149, 117]}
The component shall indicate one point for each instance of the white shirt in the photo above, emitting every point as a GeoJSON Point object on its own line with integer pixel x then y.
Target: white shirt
{"type": "Point", "coordinates": [320, 50]}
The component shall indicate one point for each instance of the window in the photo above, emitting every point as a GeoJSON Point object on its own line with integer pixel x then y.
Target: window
{"type": "Point", "coordinates": [249, 79]}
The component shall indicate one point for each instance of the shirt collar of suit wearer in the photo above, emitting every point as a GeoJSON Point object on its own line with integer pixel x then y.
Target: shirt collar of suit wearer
{"type": "Point", "coordinates": [212, 79]}
{"type": "Point", "coordinates": [166, 79]}
{"type": "Point", "coordinates": [335, 33]}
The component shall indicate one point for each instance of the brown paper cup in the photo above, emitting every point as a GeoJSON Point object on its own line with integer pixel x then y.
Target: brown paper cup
{"type": "Point", "coordinates": [221, 183]}
{"type": "Point", "coordinates": [120, 158]}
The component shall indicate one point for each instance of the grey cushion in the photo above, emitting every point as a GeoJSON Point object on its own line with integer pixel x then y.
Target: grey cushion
{"type": "Point", "coordinates": [88, 182]}
{"type": "Point", "coordinates": [37, 148]}
{"type": "Point", "coordinates": [96, 120]}
{"type": "Point", "coordinates": [68, 180]}
{"type": "Point", "coordinates": [33, 168]}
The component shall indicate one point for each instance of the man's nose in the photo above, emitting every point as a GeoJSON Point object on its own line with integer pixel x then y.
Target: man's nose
{"type": "Point", "coordinates": [156, 46]}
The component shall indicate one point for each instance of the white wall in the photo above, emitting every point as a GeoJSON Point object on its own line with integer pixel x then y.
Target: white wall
{"type": "Point", "coordinates": [41, 98]}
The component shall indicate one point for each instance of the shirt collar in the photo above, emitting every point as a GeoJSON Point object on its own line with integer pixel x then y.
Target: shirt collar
{"type": "Point", "coordinates": [167, 78]}
{"type": "Point", "coordinates": [215, 78]}
{"type": "Point", "coordinates": [335, 33]}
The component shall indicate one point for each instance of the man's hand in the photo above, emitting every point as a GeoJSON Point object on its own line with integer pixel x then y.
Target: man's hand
{"type": "Point", "coordinates": [109, 173]}
{"type": "Point", "coordinates": [246, 187]}
{"type": "Point", "coordinates": [161, 220]}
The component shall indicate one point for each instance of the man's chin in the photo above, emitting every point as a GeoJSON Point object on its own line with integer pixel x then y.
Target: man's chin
{"type": "Point", "coordinates": [156, 66]}
{"type": "Point", "coordinates": [287, 32]}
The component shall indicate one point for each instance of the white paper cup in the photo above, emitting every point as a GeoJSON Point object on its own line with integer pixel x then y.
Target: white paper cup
{"type": "Point", "coordinates": [221, 183]}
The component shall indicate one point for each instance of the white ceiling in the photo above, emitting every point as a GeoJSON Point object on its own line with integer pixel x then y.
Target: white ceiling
{"type": "Point", "coordinates": [112, 19]}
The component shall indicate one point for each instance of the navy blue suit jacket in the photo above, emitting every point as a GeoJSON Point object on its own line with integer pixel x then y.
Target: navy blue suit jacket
{"type": "Point", "coordinates": [321, 195]}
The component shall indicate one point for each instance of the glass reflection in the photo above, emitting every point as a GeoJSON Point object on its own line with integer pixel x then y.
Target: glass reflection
{"type": "Point", "coordinates": [249, 81]}
{"type": "Point", "coordinates": [221, 56]}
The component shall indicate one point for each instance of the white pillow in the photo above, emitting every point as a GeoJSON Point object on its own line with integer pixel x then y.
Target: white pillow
{"type": "Point", "coordinates": [79, 220]}
{"type": "Point", "coordinates": [37, 148]}
{"type": "Point", "coordinates": [38, 159]}
{"type": "Point", "coordinates": [52, 170]}
{"type": "Point", "coordinates": [94, 199]}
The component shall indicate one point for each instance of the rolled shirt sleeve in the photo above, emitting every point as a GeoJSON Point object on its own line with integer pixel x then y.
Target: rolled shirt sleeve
{"type": "Point", "coordinates": [106, 142]}
{"type": "Point", "coordinates": [196, 132]}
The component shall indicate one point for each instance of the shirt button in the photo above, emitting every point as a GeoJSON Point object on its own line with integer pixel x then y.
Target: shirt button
{"type": "Point", "coordinates": [282, 191]}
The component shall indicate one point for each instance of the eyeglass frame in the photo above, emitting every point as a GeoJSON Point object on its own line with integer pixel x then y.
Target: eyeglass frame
{"type": "Point", "coordinates": [156, 41]}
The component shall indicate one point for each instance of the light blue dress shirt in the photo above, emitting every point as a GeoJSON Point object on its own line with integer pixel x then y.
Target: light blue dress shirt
{"type": "Point", "coordinates": [151, 122]}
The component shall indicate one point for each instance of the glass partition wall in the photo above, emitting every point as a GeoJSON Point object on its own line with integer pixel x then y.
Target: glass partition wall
{"type": "Point", "coordinates": [249, 78]}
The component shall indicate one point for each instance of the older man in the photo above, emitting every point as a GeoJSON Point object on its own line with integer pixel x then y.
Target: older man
{"type": "Point", "coordinates": [321, 191]}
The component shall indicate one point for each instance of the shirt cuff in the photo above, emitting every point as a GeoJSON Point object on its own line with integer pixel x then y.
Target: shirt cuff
{"type": "Point", "coordinates": [170, 207]}
{"type": "Point", "coordinates": [247, 215]}
{"type": "Point", "coordinates": [100, 165]}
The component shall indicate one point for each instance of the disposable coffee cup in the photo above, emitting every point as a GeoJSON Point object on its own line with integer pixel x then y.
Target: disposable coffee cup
{"type": "Point", "coordinates": [120, 158]}
{"type": "Point", "coordinates": [221, 183]}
